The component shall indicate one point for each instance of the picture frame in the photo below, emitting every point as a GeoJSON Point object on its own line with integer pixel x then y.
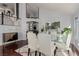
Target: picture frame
{"type": "Point", "coordinates": [32, 11]}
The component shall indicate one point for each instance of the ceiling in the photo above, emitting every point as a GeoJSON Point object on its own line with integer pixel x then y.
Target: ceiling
{"type": "Point", "coordinates": [66, 8]}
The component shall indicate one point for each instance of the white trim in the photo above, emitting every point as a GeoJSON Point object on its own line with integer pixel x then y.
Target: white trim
{"type": "Point", "coordinates": [10, 42]}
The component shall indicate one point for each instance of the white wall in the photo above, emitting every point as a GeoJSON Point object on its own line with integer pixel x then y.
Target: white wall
{"type": "Point", "coordinates": [50, 16]}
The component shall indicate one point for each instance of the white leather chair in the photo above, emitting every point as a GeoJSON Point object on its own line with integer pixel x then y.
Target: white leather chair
{"type": "Point", "coordinates": [45, 46]}
{"type": "Point", "coordinates": [64, 47]}
{"type": "Point", "coordinates": [32, 41]}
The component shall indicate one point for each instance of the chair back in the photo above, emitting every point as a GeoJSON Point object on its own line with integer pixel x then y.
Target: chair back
{"type": "Point", "coordinates": [32, 40]}
{"type": "Point", "coordinates": [68, 39]}
{"type": "Point", "coordinates": [44, 43]}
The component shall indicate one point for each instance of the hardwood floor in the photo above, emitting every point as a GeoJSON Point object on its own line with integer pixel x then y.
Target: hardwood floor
{"type": "Point", "coordinates": [9, 49]}
{"type": "Point", "coordinates": [74, 49]}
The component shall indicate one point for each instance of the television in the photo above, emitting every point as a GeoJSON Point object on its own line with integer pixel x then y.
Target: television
{"type": "Point", "coordinates": [7, 37]}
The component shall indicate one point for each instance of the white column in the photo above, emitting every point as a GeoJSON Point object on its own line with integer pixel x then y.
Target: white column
{"type": "Point", "coordinates": [22, 10]}
{"type": "Point", "coordinates": [22, 15]}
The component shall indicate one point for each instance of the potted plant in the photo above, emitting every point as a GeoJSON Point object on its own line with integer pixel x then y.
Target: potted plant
{"type": "Point", "coordinates": [65, 33]}
{"type": "Point", "coordinates": [66, 30]}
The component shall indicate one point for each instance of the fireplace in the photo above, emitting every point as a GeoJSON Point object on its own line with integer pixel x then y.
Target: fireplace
{"type": "Point", "coordinates": [7, 37]}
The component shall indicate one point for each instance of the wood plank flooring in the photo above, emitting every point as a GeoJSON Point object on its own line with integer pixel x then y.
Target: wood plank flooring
{"type": "Point", "coordinates": [9, 49]}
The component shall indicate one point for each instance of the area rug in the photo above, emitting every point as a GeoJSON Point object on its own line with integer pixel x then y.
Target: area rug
{"type": "Point", "coordinates": [24, 51]}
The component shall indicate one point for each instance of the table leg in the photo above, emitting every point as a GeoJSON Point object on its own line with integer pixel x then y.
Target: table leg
{"type": "Point", "coordinates": [28, 51]}
{"type": "Point", "coordinates": [55, 51]}
{"type": "Point", "coordinates": [35, 53]}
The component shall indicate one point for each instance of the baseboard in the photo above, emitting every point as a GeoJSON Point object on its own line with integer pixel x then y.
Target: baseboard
{"type": "Point", "coordinates": [9, 42]}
